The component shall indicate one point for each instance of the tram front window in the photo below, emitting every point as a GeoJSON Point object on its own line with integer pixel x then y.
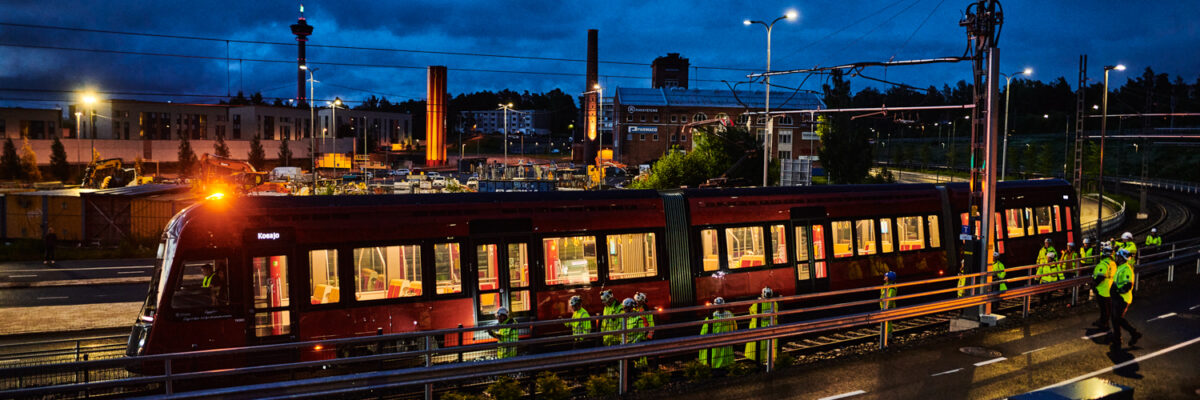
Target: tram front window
{"type": "Point", "coordinates": [201, 286]}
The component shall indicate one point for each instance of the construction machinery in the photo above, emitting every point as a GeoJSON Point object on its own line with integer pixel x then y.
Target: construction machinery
{"type": "Point", "coordinates": [111, 173]}
{"type": "Point", "coordinates": [225, 175]}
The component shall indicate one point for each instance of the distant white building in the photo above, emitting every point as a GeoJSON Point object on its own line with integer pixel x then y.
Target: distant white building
{"type": "Point", "coordinates": [520, 122]}
{"type": "Point", "coordinates": [33, 123]}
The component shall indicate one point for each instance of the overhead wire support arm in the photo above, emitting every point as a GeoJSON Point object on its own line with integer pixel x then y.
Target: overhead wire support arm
{"type": "Point", "coordinates": [862, 64]}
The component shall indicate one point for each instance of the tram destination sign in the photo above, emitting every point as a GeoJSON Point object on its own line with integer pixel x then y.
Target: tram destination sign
{"type": "Point", "coordinates": [268, 236]}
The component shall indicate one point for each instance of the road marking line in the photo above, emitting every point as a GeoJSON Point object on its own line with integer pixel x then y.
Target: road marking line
{"type": "Point", "coordinates": [844, 395]}
{"type": "Point", "coordinates": [947, 372]}
{"type": "Point", "coordinates": [1034, 350]}
{"type": "Point", "coordinates": [128, 272]}
{"type": "Point", "coordinates": [1090, 337]}
{"type": "Point", "coordinates": [994, 360]}
{"type": "Point", "coordinates": [22, 276]}
{"type": "Point", "coordinates": [1167, 315]}
{"type": "Point", "coordinates": [1194, 307]}
{"type": "Point", "coordinates": [52, 298]}
{"type": "Point", "coordinates": [1124, 364]}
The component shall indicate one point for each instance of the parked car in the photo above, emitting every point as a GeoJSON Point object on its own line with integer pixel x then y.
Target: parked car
{"type": "Point", "coordinates": [401, 172]}
{"type": "Point", "coordinates": [358, 176]}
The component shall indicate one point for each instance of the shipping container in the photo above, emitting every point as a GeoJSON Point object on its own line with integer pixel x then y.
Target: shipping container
{"type": "Point", "coordinates": [29, 213]}
{"type": "Point", "coordinates": [150, 214]}
{"type": "Point", "coordinates": [108, 212]}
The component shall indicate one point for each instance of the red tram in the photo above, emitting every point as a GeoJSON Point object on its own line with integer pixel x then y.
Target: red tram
{"type": "Point", "coordinates": [256, 270]}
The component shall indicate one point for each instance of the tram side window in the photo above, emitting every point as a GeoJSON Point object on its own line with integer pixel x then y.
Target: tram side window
{"type": "Point", "coordinates": [778, 245]}
{"type": "Point", "coordinates": [744, 247]}
{"type": "Point", "coordinates": [1044, 224]}
{"type": "Point", "coordinates": [570, 260]}
{"type": "Point", "coordinates": [818, 252]}
{"type": "Point", "coordinates": [447, 263]}
{"type": "Point", "coordinates": [387, 272]}
{"type": "Point", "coordinates": [709, 249]}
{"type": "Point", "coordinates": [1030, 226]}
{"type": "Point", "coordinates": [908, 230]}
{"type": "Point", "coordinates": [1016, 224]}
{"type": "Point", "coordinates": [202, 286]}
{"type": "Point", "coordinates": [1058, 225]}
{"type": "Point", "coordinates": [323, 277]}
{"type": "Point", "coordinates": [842, 239]}
{"type": "Point", "coordinates": [935, 236]}
{"type": "Point", "coordinates": [1070, 225]}
{"type": "Point", "coordinates": [886, 244]}
{"type": "Point", "coordinates": [633, 255]}
{"type": "Point", "coordinates": [866, 237]}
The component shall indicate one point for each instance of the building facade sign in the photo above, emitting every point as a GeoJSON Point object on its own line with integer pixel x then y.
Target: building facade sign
{"type": "Point", "coordinates": [643, 129]}
{"type": "Point", "coordinates": [633, 109]}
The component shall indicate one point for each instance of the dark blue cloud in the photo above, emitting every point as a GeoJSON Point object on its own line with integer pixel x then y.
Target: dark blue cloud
{"type": "Point", "coordinates": [1047, 36]}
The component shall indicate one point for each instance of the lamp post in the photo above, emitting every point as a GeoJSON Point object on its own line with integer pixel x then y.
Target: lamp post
{"type": "Point", "coordinates": [1103, 133]}
{"type": "Point", "coordinates": [506, 107]}
{"type": "Point", "coordinates": [89, 99]}
{"type": "Point", "coordinates": [78, 116]}
{"type": "Point", "coordinates": [1007, 84]}
{"type": "Point", "coordinates": [312, 117]}
{"type": "Point", "coordinates": [767, 105]}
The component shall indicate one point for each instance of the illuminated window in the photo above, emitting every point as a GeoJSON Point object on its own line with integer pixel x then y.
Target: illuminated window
{"type": "Point", "coordinates": [1058, 224]}
{"type": "Point", "coordinates": [909, 233]}
{"type": "Point", "coordinates": [802, 251]}
{"type": "Point", "coordinates": [570, 260]}
{"type": "Point", "coordinates": [885, 235]}
{"type": "Point", "coordinates": [387, 272]}
{"type": "Point", "coordinates": [866, 237]}
{"type": "Point", "coordinates": [778, 245]}
{"type": "Point", "coordinates": [818, 237]}
{"type": "Point", "coordinates": [271, 317]}
{"type": "Point", "coordinates": [708, 250]}
{"type": "Point", "coordinates": [486, 258]}
{"type": "Point", "coordinates": [447, 266]}
{"type": "Point", "coordinates": [744, 247]}
{"type": "Point", "coordinates": [203, 286]}
{"type": "Point", "coordinates": [632, 256]}
{"type": "Point", "coordinates": [1016, 224]}
{"type": "Point", "coordinates": [935, 238]}
{"type": "Point", "coordinates": [1044, 223]}
{"type": "Point", "coordinates": [842, 240]}
{"type": "Point", "coordinates": [518, 275]}
{"type": "Point", "coordinates": [323, 277]}
{"type": "Point", "coordinates": [1030, 225]}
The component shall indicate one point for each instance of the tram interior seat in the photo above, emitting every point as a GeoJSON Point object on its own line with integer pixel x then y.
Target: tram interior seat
{"type": "Point", "coordinates": [711, 263]}
{"type": "Point", "coordinates": [403, 288]}
{"type": "Point", "coordinates": [323, 294]}
{"type": "Point", "coordinates": [751, 261]}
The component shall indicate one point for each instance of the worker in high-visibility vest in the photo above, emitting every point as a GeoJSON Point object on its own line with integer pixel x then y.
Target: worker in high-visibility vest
{"type": "Point", "coordinates": [630, 306]}
{"type": "Point", "coordinates": [1070, 261]}
{"type": "Point", "coordinates": [580, 324]}
{"type": "Point", "coordinates": [885, 298]}
{"type": "Point", "coordinates": [1087, 252]}
{"type": "Point", "coordinates": [209, 273]}
{"type": "Point", "coordinates": [612, 309]}
{"type": "Point", "coordinates": [1047, 249]}
{"type": "Point", "coordinates": [1122, 288]}
{"type": "Point", "coordinates": [757, 350]}
{"type": "Point", "coordinates": [1048, 268]}
{"type": "Point", "coordinates": [998, 273]}
{"type": "Point", "coordinates": [640, 298]}
{"type": "Point", "coordinates": [1129, 246]}
{"type": "Point", "coordinates": [721, 322]}
{"type": "Point", "coordinates": [506, 334]}
{"type": "Point", "coordinates": [1153, 239]}
{"type": "Point", "coordinates": [1101, 285]}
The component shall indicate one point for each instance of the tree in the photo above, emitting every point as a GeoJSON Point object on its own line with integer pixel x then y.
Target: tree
{"type": "Point", "coordinates": [1045, 156]}
{"type": "Point", "coordinates": [10, 163]}
{"type": "Point", "coordinates": [285, 152]}
{"type": "Point", "coordinates": [845, 148]}
{"type": "Point", "coordinates": [29, 167]}
{"type": "Point", "coordinates": [187, 157]}
{"type": "Point", "coordinates": [924, 155]}
{"type": "Point", "coordinates": [59, 167]}
{"type": "Point", "coordinates": [257, 156]}
{"type": "Point", "coordinates": [219, 147]}
{"type": "Point", "coordinates": [732, 152]}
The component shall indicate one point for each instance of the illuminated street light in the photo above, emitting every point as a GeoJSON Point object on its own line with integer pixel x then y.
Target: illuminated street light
{"type": "Point", "coordinates": [506, 107]}
{"type": "Point", "coordinates": [89, 99]}
{"type": "Point", "coordinates": [790, 15]}
{"type": "Point", "coordinates": [1007, 84]}
{"type": "Point", "coordinates": [312, 133]}
{"type": "Point", "coordinates": [1103, 133]}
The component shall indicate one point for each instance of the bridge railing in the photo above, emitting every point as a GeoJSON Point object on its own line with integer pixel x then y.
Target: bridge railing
{"type": "Point", "coordinates": [420, 361]}
{"type": "Point", "coordinates": [1108, 223]}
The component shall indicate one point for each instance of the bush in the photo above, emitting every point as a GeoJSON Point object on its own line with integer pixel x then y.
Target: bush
{"type": "Point", "coordinates": [652, 379]}
{"type": "Point", "coordinates": [600, 386]}
{"type": "Point", "coordinates": [742, 369]}
{"type": "Point", "coordinates": [459, 396]}
{"type": "Point", "coordinates": [551, 387]}
{"type": "Point", "coordinates": [697, 371]}
{"type": "Point", "coordinates": [505, 388]}
{"type": "Point", "coordinates": [784, 360]}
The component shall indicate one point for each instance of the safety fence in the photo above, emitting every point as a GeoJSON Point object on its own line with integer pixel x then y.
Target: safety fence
{"type": "Point", "coordinates": [422, 363]}
{"type": "Point", "coordinates": [1107, 223]}
{"type": "Point", "coordinates": [30, 353]}
{"type": "Point", "coordinates": [1164, 184]}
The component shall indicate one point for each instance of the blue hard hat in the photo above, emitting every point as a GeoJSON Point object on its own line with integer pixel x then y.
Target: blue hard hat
{"type": "Point", "coordinates": [890, 275]}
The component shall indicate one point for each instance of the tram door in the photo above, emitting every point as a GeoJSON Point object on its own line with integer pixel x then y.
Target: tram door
{"type": "Point", "coordinates": [271, 314]}
{"type": "Point", "coordinates": [504, 280]}
{"type": "Point", "coordinates": [811, 273]}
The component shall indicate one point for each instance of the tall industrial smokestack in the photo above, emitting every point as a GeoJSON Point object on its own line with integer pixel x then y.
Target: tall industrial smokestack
{"type": "Point", "coordinates": [436, 104]}
{"type": "Point", "coordinates": [592, 137]}
{"type": "Point", "coordinates": [301, 29]}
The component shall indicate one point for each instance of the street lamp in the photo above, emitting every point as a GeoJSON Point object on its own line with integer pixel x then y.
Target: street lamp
{"type": "Point", "coordinates": [790, 15]}
{"type": "Point", "coordinates": [90, 100]}
{"type": "Point", "coordinates": [506, 107]}
{"type": "Point", "coordinates": [1007, 83]}
{"type": "Point", "coordinates": [312, 118]}
{"type": "Point", "coordinates": [1103, 133]}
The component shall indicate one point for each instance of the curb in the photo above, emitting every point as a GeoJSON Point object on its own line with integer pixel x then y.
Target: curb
{"type": "Point", "coordinates": [77, 282]}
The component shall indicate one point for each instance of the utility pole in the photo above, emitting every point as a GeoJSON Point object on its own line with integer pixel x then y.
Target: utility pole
{"type": "Point", "coordinates": [982, 21]}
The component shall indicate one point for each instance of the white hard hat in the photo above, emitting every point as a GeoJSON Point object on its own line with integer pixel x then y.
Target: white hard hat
{"type": "Point", "coordinates": [575, 301]}
{"type": "Point", "coordinates": [501, 311]}
{"type": "Point", "coordinates": [1070, 244]}
{"type": "Point", "coordinates": [767, 292]}
{"type": "Point", "coordinates": [628, 303]}
{"type": "Point", "coordinates": [1087, 241]}
{"type": "Point", "coordinates": [640, 297]}
{"type": "Point", "coordinates": [1048, 240]}
{"type": "Point", "coordinates": [719, 301]}
{"type": "Point", "coordinates": [1153, 230]}
{"type": "Point", "coordinates": [606, 295]}
{"type": "Point", "coordinates": [995, 254]}
{"type": "Point", "coordinates": [1126, 236]}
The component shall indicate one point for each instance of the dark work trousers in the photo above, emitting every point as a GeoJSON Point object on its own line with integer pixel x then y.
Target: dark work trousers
{"type": "Point", "coordinates": [1105, 305]}
{"type": "Point", "coordinates": [1119, 307]}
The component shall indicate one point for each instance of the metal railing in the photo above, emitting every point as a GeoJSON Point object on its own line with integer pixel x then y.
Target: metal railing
{"type": "Point", "coordinates": [1165, 184]}
{"type": "Point", "coordinates": [419, 361]}
{"type": "Point", "coordinates": [1107, 224]}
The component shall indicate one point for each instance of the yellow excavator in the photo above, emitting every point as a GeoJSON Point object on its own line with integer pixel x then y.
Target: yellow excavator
{"type": "Point", "coordinates": [111, 173]}
{"type": "Point", "coordinates": [226, 175]}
